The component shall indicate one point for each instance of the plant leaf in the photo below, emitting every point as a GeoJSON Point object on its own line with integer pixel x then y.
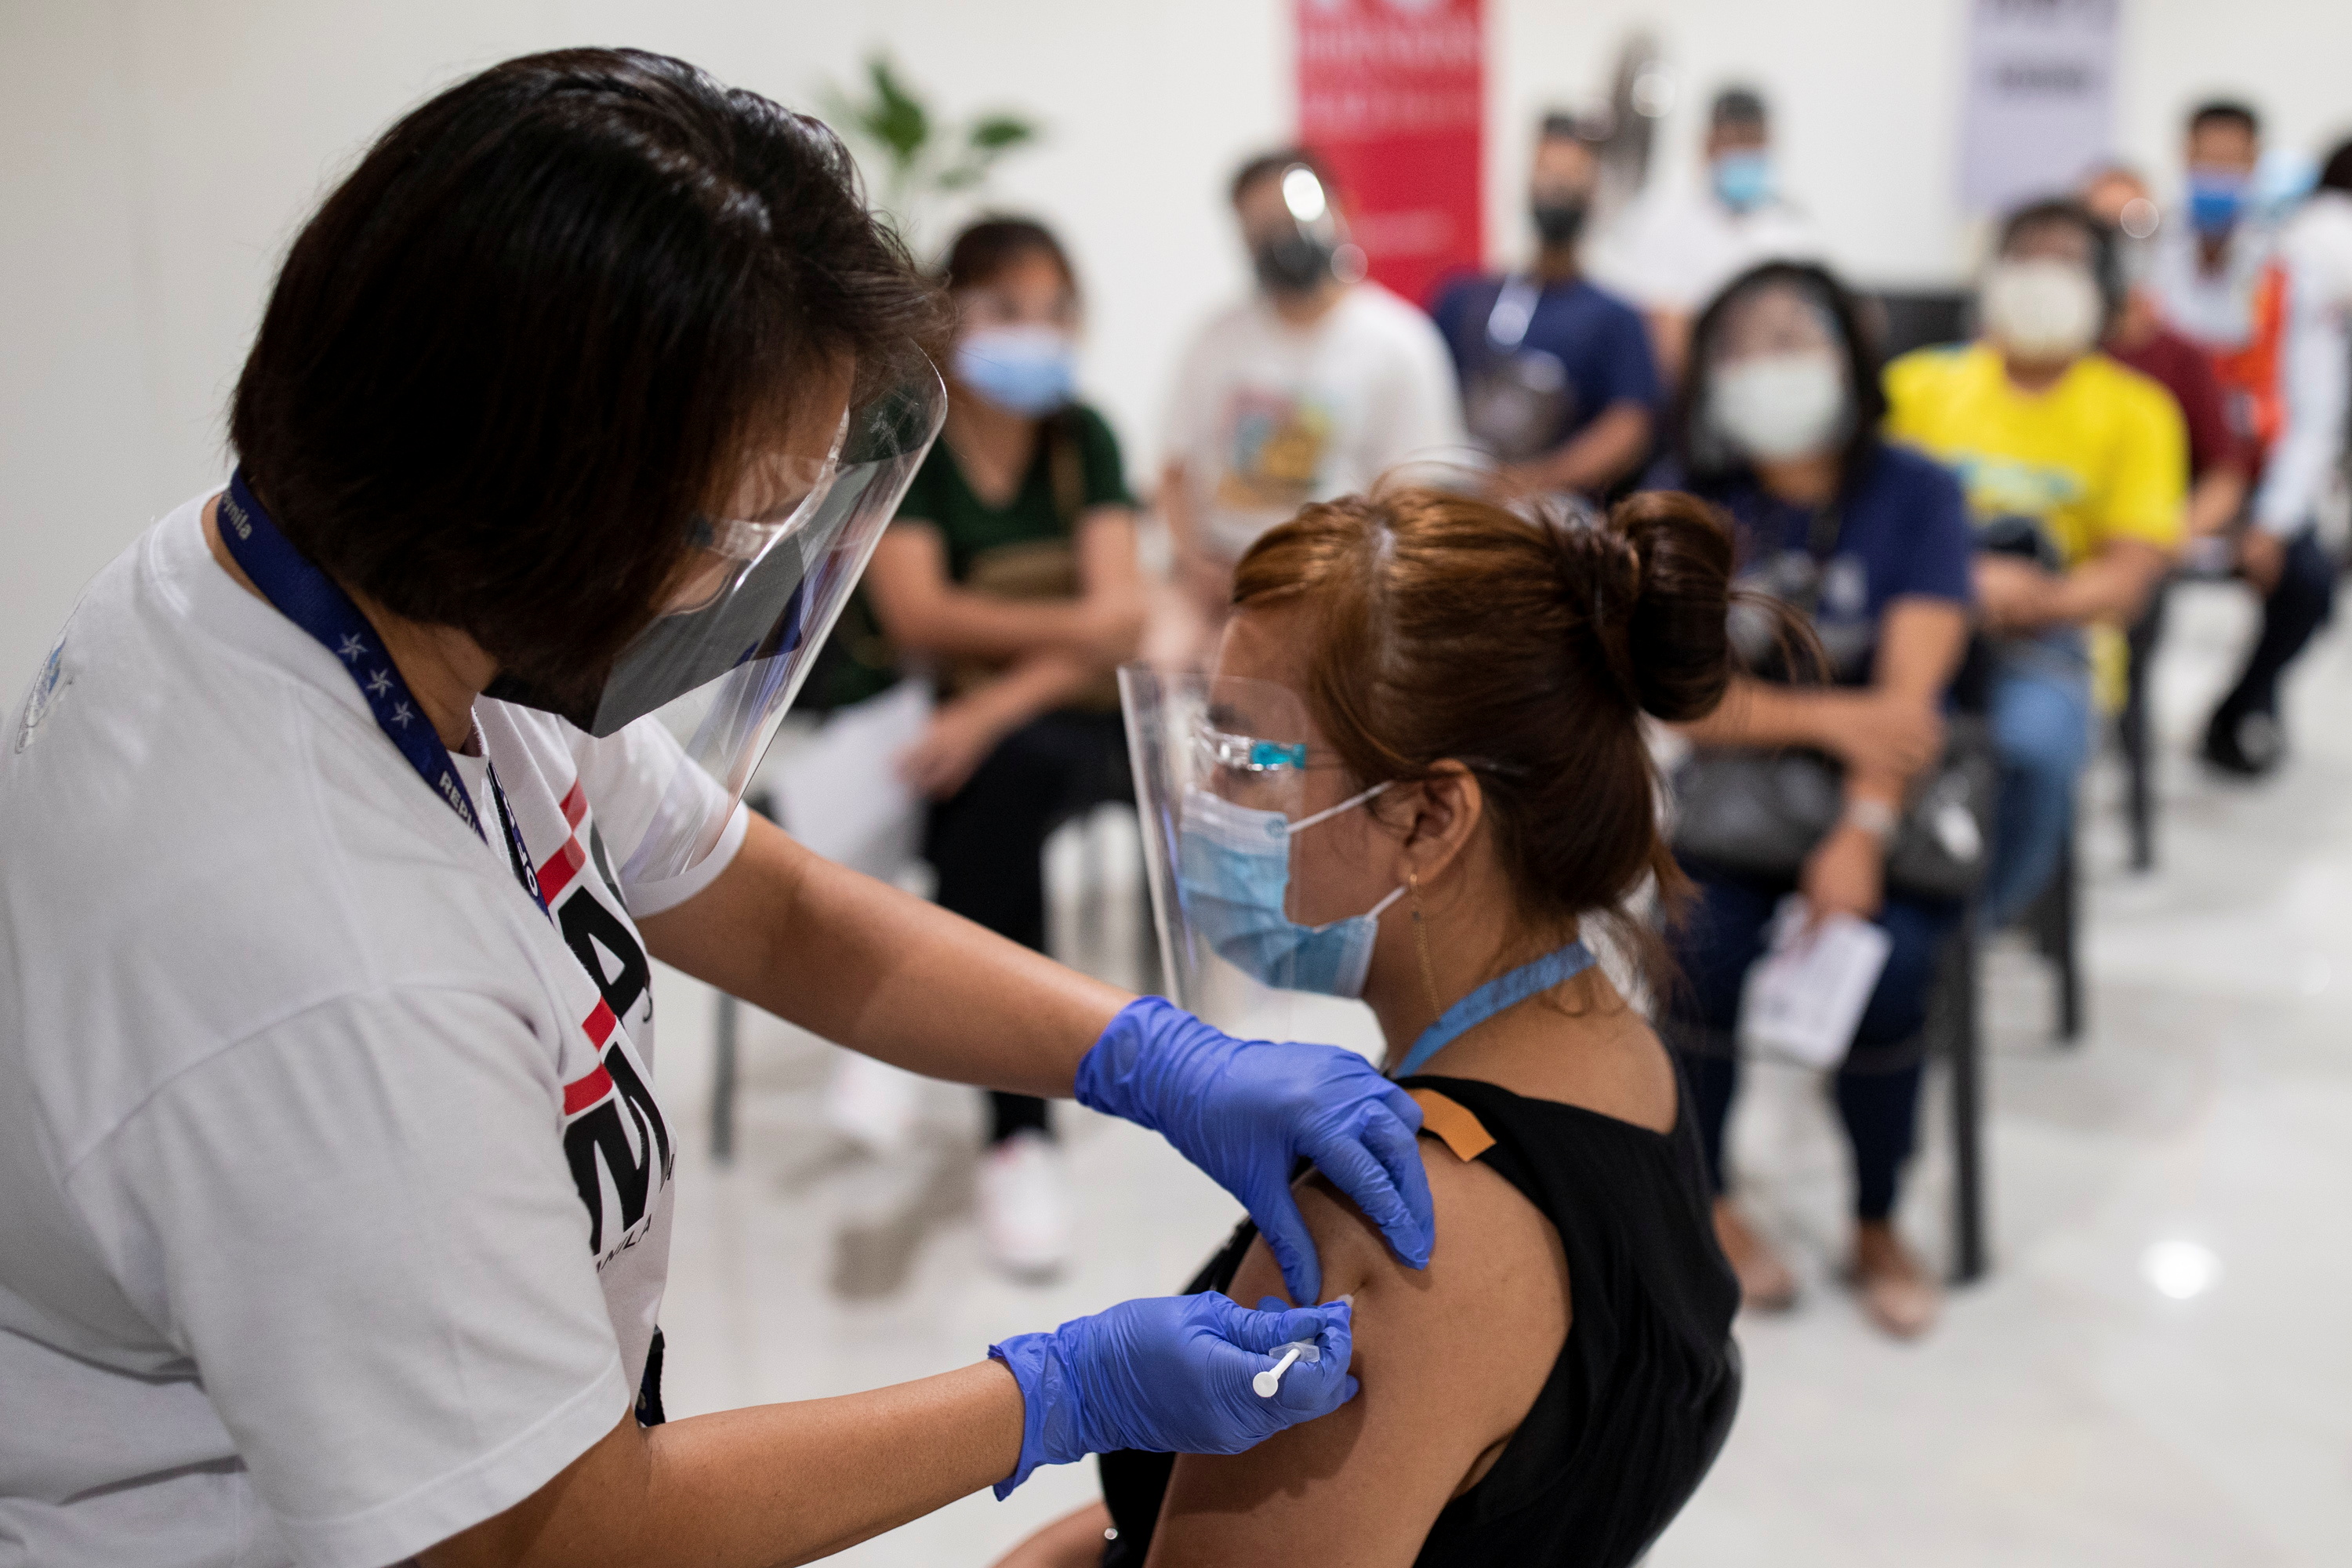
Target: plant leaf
{"type": "Point", "coordinates": [896, 118]}
{"type": "Point", "coordinates": [999, 132]}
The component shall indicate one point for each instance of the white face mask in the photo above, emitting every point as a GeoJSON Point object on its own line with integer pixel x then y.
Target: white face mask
{"type": "Point", "coordinates": [2040, 310]}
{"type": "Point", "coordinates": [1777, 406]}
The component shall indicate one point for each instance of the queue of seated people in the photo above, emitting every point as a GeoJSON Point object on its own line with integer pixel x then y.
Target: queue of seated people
{"type": "Point", "coordinates": [1953, 529]}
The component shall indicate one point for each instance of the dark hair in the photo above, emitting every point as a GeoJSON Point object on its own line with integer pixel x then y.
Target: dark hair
{"type": "Point", "coordinates": [2106, 258]}
{"type": "Point", "coordinates": [981, 253]}
{"type": "Point", "coordinates": [2336, 174]}
{"type": "Point", "coordinates": [1738, 106]}
{"type": "Point", "coordinates": [2225, 112]}
{"type": "Point", "coordinates": [533, 332]}
{"type": "Point", "coordinates": [1560, 125]}
{"type": "Point", "coordinates": [1525, 646]}
{"type": "Point", "coordinates": [1704, 462]}
{"type": "Point", "coordinates": [1267, 164]}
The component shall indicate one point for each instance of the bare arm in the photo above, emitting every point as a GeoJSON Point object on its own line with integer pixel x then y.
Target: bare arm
{"type": "Point", "coordinates": [2216, 499]}
{"type": "Point", "coordinates": [965, 730]}
{"type": "Point", "coordinates": [1601, 453]}
{"type": "Point", "coordinates": [858, 962]}
{"type": "Point", "coordinates": [923, 611]}
{"type": "Point", "coordinates": [2112, 585]}
{"type": "Point", "coordinates": [1450, 1359]}
{"type": "Point", "coordinates": [773, 1484]}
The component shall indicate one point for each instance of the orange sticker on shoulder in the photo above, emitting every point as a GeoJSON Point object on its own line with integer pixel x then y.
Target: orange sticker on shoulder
{"type": "Point", "coordinates": [1452, 1124]}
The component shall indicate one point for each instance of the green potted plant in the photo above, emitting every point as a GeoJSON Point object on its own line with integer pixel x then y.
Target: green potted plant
{"type": "Point", "coordinates": [922, 160]}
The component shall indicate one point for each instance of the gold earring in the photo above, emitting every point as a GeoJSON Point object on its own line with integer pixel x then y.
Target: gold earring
{"type": "Point", "coordinates": [1421, 941]}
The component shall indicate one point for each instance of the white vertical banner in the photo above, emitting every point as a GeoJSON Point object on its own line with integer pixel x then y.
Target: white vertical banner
{"type": "Point", "coordinates": [2039, 108]}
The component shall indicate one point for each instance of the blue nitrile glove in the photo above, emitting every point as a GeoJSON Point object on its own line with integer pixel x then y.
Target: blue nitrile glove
{"type": "Point", "coordinates": [1171, 1374]}
{"type": "Point", "coordinates": [1246, 1110]}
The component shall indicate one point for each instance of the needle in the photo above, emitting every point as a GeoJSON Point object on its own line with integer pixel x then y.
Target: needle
{"type": "Point", "coordinates": [1267, 1382]}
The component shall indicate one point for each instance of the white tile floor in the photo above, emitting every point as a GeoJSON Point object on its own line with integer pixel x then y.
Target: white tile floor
{"type": "Point", "coordinates": [2067, 1412]}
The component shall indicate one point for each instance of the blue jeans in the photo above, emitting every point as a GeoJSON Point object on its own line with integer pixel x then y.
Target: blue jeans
{"type": "Point", "coordinates": [2041, 727]}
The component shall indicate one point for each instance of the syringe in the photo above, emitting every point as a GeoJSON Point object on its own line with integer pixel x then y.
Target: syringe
{"type": "Point", "coordinates": [1267, 1382]}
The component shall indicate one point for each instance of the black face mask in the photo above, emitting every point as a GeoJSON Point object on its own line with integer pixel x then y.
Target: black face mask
{"type": "Point", "coordinates": [1559, 221]}
{"type": "Point", "coordinates": [1292, 264]}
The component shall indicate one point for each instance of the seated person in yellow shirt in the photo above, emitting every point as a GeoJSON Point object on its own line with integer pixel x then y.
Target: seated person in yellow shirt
{"type": "Point", "coordinates": [2072, 465]}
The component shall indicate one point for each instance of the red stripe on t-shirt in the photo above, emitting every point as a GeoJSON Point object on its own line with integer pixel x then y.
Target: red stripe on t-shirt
{"type": "Point", "coordinates": [561, 867]}
{"type": "Point", "coordinates": [582, 1092]}
{"type": "Point", "coordinates": [599, 1025]}
{"type": "Point", "coordinates": [576, 804]}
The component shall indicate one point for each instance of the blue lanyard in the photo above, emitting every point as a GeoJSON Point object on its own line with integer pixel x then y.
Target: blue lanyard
{"type": "Point", "coordinates": [1496, 995]}
{"type": "Point", "coordinates": [313, 601]}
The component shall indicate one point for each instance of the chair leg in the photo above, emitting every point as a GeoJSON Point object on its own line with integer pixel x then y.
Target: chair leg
{"type": "Point", "coordinates": [2068, 954]}
{"type": "Point", "coordinates": [725, 1020]}
{"type": "Point", "coordinates": [1962, 1046]}
{"type": "Point", "coordinates": [723, 1079]}
{"type": "Point", "coordinates": [2138, 785]}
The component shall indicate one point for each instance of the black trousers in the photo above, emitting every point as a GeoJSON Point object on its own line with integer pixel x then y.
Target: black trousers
{"type": "Point", "coordinates": [987, 843]}
{"type": "Point", "coordinates": [2292, 614]}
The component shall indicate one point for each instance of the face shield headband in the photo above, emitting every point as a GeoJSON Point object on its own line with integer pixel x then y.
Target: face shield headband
{"type": "Point", "coordinates": [758, 596]}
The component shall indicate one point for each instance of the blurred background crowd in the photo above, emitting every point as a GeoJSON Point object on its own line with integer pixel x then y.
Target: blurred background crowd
{"type": "Point", "coordinates": [2014, 340]}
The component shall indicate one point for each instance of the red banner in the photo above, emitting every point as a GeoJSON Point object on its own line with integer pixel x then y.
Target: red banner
{"type": "Point", "coordinates": [1391, 93]}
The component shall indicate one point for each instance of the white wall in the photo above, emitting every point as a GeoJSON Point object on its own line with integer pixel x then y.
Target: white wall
{"type": "Point", "coordinates": [155, 155]}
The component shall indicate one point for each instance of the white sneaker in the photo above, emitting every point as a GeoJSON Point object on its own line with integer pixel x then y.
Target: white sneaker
{"type": "Point", "coordinates": [872, 1104]}
{"type": "Point", "coordinates": [1025, 1216]}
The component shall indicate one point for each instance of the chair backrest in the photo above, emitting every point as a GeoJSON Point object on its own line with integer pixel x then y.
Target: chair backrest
{"type": "Point", "coordinates": [1907, 318]}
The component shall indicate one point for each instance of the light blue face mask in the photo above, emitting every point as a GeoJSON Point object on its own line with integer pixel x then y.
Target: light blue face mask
{"type": "Point", "coordinates": [2217, 200]}
{"type": "Point", "coordinates": [1233, 874]}
{"type": "Point", "coordinates": [1742, 180]}
{"type": "Point", "coordinates": [1025, 370]}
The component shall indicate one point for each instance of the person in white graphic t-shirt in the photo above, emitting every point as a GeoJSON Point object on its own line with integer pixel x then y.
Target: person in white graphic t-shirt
{"type": "Point", "coordinates": [1314, 386]}
{"type": "Point", "coordinates": [340, 826]}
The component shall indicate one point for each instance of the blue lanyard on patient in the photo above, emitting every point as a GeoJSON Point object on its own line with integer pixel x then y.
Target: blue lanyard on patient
{"type": "Point", "coordinates": [315, 602]}
{"type": "Point", "coordinates": [1496, 995]}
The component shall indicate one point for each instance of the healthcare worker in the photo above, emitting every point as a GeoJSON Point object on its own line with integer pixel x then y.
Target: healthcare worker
{"type": "Point", "coordinates": [336, 833]}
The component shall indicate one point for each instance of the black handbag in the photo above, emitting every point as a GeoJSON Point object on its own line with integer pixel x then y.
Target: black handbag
{"type": "Point", "coordinates": [1758, 812]}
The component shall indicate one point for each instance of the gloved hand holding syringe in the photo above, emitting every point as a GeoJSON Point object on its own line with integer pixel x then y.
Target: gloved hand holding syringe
{"type": "Point", "coordinates": [1177, 1375]}
{"type": "Point", "coordinates": [1267, 1384]}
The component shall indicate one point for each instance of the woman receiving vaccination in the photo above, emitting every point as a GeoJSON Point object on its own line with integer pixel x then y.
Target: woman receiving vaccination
{"type": "Point", "coordinates": [1418, 776]}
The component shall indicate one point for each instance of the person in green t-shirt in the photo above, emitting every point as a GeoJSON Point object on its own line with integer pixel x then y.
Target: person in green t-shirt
{"type": "Point", "coordinates": [1011, 571]}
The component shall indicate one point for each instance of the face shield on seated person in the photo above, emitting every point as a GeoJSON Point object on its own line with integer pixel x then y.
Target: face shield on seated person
{"type": "Point", "coordinates": [751, 605]}
{"type": "Point", "coordinates": [1227, 781]}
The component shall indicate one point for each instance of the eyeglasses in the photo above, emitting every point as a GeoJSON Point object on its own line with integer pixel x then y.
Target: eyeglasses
{"type": "Point", "coordinates": [728, 547]}
{"type": "Point", "coordinates": [1246, 754]}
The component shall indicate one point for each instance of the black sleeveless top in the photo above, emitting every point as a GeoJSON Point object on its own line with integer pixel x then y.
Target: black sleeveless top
{"type": "Point", "coordinates": [1641, 1399]}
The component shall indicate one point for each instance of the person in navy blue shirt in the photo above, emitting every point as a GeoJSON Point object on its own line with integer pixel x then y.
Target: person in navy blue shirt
{"type": "Point", "coordinates": [1779, 425]}
{"type": "Point", "coordinates": [1559, 382]}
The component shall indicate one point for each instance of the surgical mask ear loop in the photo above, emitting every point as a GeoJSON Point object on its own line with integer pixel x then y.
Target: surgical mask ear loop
{"type": "Point", "coordinates": [1421, 943]}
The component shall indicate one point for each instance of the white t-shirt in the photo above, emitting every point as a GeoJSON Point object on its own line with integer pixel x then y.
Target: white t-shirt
{"type": "Point", "coordinates": [1268, 416]}
{"type": "Point", "coordinates": [334, 1200]}
{"type": "Point", "coordinates": [1673, 249]}
{"type": "Point", "coordinates": [2315, 247]}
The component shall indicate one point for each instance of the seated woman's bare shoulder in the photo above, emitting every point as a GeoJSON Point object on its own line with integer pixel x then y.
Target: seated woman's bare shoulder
{"type": "Point", "coordinates": [1450, 1359]}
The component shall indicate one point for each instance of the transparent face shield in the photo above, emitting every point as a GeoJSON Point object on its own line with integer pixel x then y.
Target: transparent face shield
{"type": "Point", "coordinates": [750, 610]}
{"type": "Point", "coordinates": [1226, 778]}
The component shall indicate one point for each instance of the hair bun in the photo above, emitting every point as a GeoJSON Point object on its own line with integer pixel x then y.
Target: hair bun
{"type": "Point", "coordinates": [1672, 646]}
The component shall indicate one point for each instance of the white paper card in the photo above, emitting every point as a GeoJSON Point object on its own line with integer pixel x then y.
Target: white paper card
{"type": "Point", "coordinates": [840, 794]}
{"type": "Point", "coordinates": [1803, 999]}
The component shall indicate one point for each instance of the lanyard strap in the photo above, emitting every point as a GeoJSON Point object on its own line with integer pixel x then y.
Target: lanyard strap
{"type": "Point", "coordinates": [306, 596]}
{"type": "Point", "coordinates": [1496, 995]}
{"type": "Point", "coordinates": [1513, 312]}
